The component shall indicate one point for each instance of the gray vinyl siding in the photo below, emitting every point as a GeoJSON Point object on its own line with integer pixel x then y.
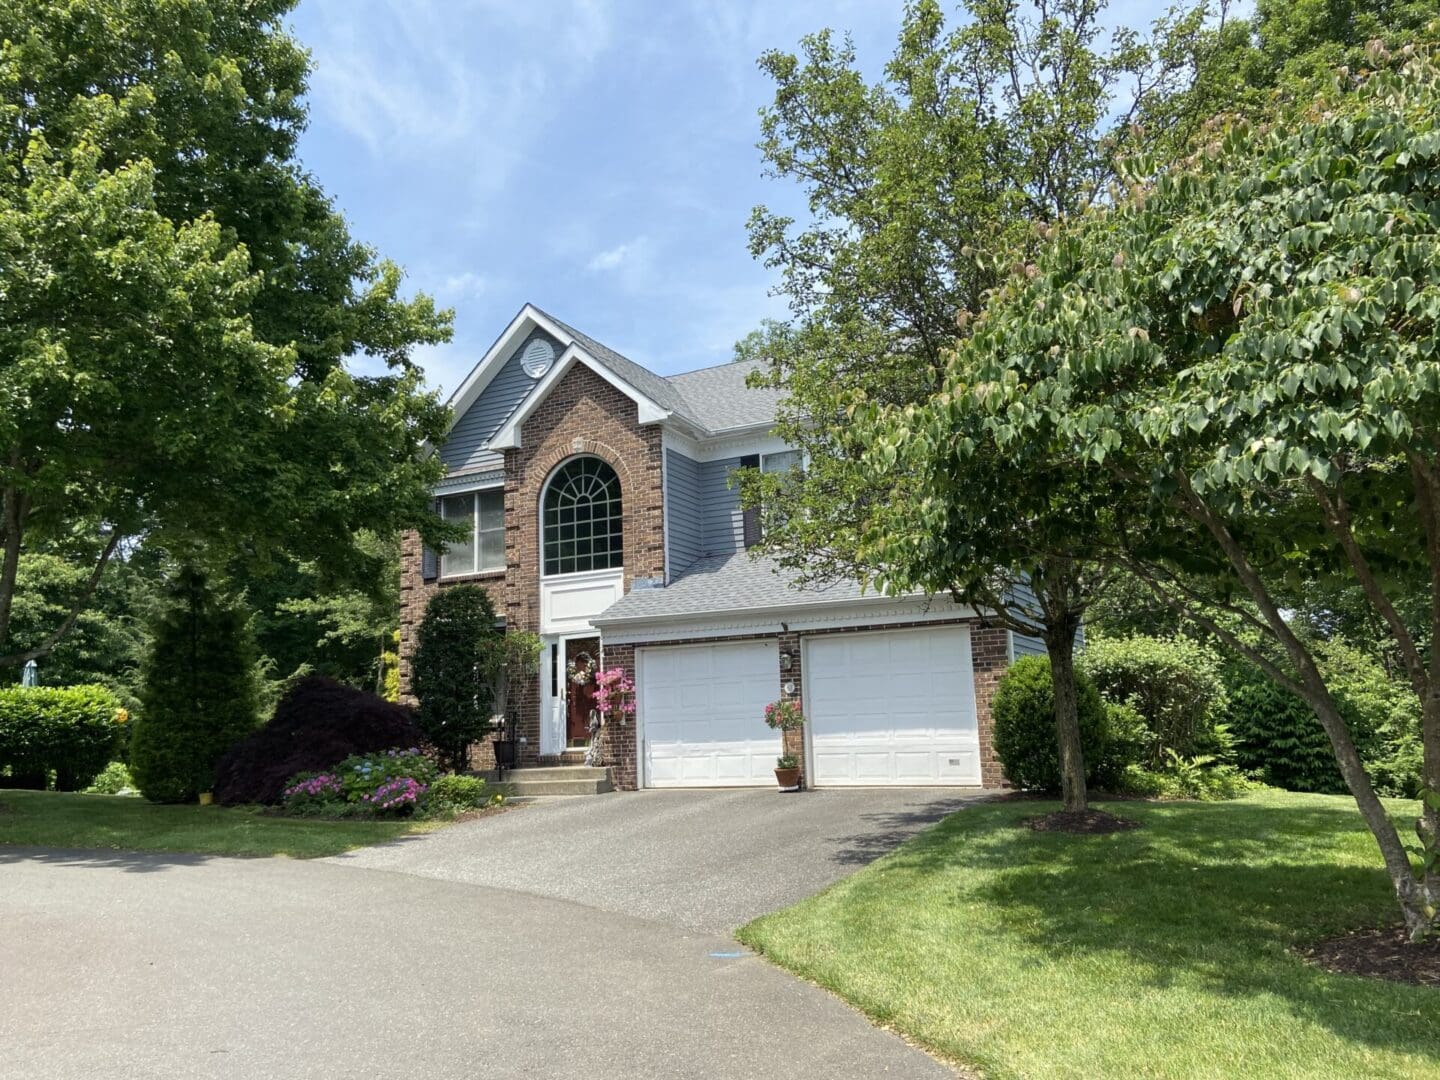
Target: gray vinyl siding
{"type": "Point", "coordinates": [1021, 645]}
{"type": "Point", "coordinates": [684, 513]}
{"type": "Point", "coordinates": [1024, 645]}
{"type": "Point", "coordinates": [465, 450]}
{"type": "Point", "coordinates": [724, 526]}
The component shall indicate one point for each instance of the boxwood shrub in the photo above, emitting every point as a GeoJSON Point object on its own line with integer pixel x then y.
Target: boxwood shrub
{"type": "Point", "coordinates": [70, 731]}
{"type": "Point", "coordinates": [1023, 711]}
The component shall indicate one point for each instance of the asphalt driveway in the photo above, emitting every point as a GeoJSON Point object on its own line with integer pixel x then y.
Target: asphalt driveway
{"type": "Point", "coordinates": [587, 938]}
{"type": "Point", "coordinates": [707, 860]}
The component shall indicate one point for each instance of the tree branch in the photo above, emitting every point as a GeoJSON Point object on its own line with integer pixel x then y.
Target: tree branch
{"type": "Point", "coordinates": [53, 638]}
{"type": "Point", "coordinates": [1337, 519]}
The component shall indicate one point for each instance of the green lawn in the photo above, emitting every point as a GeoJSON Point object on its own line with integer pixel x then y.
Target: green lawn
{"type": "Point", "coordinates": [48, 819]}
{"type": "Point", "coordinates": [1162, 952]}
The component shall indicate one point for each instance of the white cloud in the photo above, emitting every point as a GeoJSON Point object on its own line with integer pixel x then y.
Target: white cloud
{"type": "Point", "coordinates": [450, 82]}
{"type": "Point", "coordinates": [466, 286]}
{"type": "Point", "coordinates": [626, 255]}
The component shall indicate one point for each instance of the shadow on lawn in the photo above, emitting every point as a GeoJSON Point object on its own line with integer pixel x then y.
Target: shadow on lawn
{"type": "Point", "coordinates": [1201, 896]}
{"type": "Point", "coordinates": [135, 862]}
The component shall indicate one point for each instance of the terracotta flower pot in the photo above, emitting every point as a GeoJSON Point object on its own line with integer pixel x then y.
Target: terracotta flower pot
{"type": "Point", "coordinates": [788, 779]}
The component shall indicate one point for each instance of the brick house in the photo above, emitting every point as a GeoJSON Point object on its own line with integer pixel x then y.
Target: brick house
{"type": "Point", "coordinates": [604, 518]}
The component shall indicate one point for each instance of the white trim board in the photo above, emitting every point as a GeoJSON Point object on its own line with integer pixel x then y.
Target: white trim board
{"type": "Point", "coordinates": [526, 319]}
{"type": "Point", "coordinates": [508, 436]}
{"type": "Point", "coordinates": [759, 441]}
{"type": "Point", "coordinates": [759, 623]}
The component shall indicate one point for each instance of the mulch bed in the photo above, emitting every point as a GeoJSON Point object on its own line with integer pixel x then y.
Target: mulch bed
{"type": "Point", "coordinates": [1380, 954]}
{"type": "Point", "coordinates": [1081, 821]}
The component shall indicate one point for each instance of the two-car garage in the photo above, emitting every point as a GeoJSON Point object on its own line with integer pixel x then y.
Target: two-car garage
{"type": "Point", "coordinates": [883, 707]}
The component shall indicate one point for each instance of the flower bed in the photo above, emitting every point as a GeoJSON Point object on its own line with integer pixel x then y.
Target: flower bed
{"type": "Point", "coordinates": [390, 783]}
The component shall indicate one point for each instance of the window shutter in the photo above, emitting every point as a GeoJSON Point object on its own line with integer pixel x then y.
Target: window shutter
{"type": "Point", "coordinates": [429, 557]}
{"type": "Point", "coordinates": [750, 518]}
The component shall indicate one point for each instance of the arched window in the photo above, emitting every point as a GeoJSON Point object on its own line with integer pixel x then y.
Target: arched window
{"type": "Point", "coordinates": [581, 520]}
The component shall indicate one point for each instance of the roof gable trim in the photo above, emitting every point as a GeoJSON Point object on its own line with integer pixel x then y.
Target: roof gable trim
{"type": "Point", "coordinates": [508, 437]}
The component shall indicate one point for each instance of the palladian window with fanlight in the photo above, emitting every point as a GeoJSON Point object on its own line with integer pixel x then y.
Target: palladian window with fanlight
{"type": "Point", "coordinates": [581, 517]}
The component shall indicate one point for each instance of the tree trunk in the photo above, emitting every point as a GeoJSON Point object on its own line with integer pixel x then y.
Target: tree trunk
{"type": "Point", "coordinates": [1061, 646]}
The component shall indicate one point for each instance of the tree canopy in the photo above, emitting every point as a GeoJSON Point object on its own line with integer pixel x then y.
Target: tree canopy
{"type": "Point", "coordinates": [1246, 341]}
{"type": "Point", "coordinates": [183, 303]}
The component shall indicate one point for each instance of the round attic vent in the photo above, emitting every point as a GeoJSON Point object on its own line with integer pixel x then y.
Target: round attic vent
{"type": "Point", "coordinates": [537, 358]}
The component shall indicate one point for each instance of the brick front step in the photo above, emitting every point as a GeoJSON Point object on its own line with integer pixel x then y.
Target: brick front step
{"type": "Point", "coordinates": [559, 780]}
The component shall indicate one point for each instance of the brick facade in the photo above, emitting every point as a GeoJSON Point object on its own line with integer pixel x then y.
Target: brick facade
{"type": "Point", "coordinates": [990, 654]}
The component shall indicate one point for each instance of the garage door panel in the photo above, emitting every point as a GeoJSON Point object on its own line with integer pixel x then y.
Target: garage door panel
{"type": "Point", "coordinates": [896, 707]}
{"type": "Point", "coordinates": [703, 711]}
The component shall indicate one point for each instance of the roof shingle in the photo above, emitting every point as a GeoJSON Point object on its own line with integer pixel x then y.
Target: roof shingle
{"type": "Point", "coordinates": [726, 583]}
{"type": "Point", "coordinates": [713, 399]}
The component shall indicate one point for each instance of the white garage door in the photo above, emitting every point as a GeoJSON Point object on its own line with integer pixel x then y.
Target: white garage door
{"type": "Point", "coordinates": [896, 707]}
{"type": "Point", "coordinates": [703, 709]}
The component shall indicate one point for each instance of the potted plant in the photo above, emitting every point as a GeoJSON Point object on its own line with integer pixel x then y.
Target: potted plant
{"type": "Point", "coordinates": [614, 704]}
{"type": "Point", "coordinates": [785, 715]}
{"type": "Point", "coordinates": [787, 772]}
{"type": "Point", "coordinates": [515, 657]}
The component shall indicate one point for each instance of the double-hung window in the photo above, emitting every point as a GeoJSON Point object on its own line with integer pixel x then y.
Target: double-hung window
{"type": "Point", "coordinates": [782, 461]}
{"type": "Point", "coordinates": [483, 549]}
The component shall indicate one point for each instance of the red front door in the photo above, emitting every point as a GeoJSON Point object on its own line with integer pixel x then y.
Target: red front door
{"type": "Point", "coordinates": [580, 697]}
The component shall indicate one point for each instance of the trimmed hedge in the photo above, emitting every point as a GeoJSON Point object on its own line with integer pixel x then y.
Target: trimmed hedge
{"type": "Point", "coordinates": [1023, 712]}
{"type": "Point", "coordinates": [72, 731]}
{"type": "Point", "coordinates": [317, 723]}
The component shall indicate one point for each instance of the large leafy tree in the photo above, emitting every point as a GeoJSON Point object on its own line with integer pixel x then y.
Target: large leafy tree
{"type": "Point", "coordinates": [182, 303]}
{"type": "Point", "coordinates": [308, 622]}
{"type": "Point", "coordinates": [1250, 340]}
{"type": "Point", "coordinates": [975, 136]}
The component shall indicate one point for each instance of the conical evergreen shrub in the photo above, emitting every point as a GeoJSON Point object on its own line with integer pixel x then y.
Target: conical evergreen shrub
{"type": "Point", "coordinates": [198, 695]}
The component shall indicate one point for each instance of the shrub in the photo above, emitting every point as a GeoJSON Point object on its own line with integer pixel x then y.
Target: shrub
{"type": "Point", "coordinates": [1205, 778]}
{"type": "Point", "coordinates": [310, 793]}
{"type": "Point", "coordinates": [1173, 683]}
{"type": "Point", "coordinates": [1383, 713]}
{"type": "Point", "coordinates": [362, 775]}
{"type": "Point", "coordinates": [1277, 736]}
{"type": "Point", "coordinates": [387, 782]}
{"type": "Point", "coordinates": [317, 723]}
{"type": "Point", "coordinates": [198, 693]}
{"type": "Point", "coordinates": [71, 731]}
{"type": "Point", "coordinates": [458, 654]}
{"type": "Point", "coordinates": [112, 780]}
{"type": "Point", "coordinates": [1023, 711]}
{"type": "Point", "coordinates": [455, 794]}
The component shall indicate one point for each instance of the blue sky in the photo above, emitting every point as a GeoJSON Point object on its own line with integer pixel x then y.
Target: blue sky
{"type": "Point", "coordinates": [595, 157]}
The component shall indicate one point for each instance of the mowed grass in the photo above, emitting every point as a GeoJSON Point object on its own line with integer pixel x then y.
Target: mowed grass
{"type": "Point", "coordinates": [51, 819]}
{"type": "Point", "coordinates": [1166, 951]}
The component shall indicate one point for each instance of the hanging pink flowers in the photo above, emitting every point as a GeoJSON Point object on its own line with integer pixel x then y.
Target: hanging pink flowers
{"type": "Point", "coordinates": [614, 694]}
